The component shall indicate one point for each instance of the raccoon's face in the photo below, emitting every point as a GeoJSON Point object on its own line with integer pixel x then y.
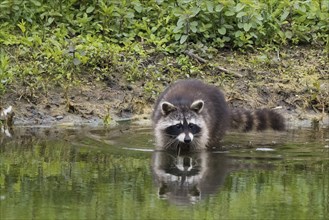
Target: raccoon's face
{"type": "Point", "coordinates": [182, 125]}
{"type": "Point", "coordinates": [183, 131]}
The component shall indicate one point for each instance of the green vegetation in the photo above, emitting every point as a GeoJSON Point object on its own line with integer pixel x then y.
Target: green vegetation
{"type": "Point", "coordinates": [45, 44]}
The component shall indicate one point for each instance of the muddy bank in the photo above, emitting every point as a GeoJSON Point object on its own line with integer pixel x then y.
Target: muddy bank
{"type": "Point", "coordinates": [92, 106]}
{"type": "Point", "coordinates": [294, 81]}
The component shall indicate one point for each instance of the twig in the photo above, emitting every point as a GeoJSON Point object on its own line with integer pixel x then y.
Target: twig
{"type": "Point", "coordinates": [194, 56]}
{"type": "Point", "coordinates": [201, 60]}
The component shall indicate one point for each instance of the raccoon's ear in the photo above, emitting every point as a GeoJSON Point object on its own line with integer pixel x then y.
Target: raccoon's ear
{"type": "Point", "coordinates": [167, 107]}
{"type": "Point", "coordinates": [197, 106]}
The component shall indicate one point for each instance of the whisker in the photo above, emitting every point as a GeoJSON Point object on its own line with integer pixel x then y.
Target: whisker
{"type": "Point", "coordinates": [195, 143]}
{"type": "Point", "coordinates": [170, 143]}
{"type": "Point", "coordinates": [171, 136]}
{"type": "Point", "coordinates": [166, 144]}
{"type": "Point", "coordinates": [178, 149]}
{"type": "Point", "coordinates": [197, 135]}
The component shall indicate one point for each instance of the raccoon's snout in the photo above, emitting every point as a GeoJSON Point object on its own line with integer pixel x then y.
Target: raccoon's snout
{"type": "Point", "coordinates": [187, 139]}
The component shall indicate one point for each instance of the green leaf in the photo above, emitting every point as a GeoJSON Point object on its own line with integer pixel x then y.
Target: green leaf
{"type": "Point", "coordinates": [181, 21]}
{"type": "Point", "coordinates": [90, 9]}
{"type": "Point", "coordinates": [195, 11]}
{"type": "Point", "coordinates": [228, 26]}
{"type": "Point", "coordinates": [21, 26]}
{"type": "Point", "coordinates": [183, 39]}
{"type": "Point", "coordinates": [210, 6]}
{"type": "Point", "coordinates": [193, 26]}
{"type": "Point", "coordinates": [194, 23]}
{"type": "Point", "coordinates": [238, 34]}
{"type": "Point", "coordinates": [219, 8]}
{"type": "Point", "coordinates": [241, 14]}
{"type": "Point", "coordinates": [36, 3]}
{"type": "Point", "coordinates": [50, 21]}
{"type": "Point", "coordinates": [284, 15]}
{"type": "Point", "coordinates": [259, 17]}
{"type": "Point", "coordinates": [247, 26]}
{"type": "Point", "coordinates": [177, 29]}
{"type": "Point", "coordinates": [281, 34]}
{"type": "Point", "coordinates": [194, 29]}
{"type": "Point", "coordinates": [239, 7]}
{"type": "Point", "coordinates": [138, 8]}
{"type": "Point", "coordinates": [288, 34]}
{"type": "Point", "coordinates": [222, 30]}
{"type": "Point", "coordinates": [178, 12]}
{"type": "Point", "coordinates": [229, 13]}
{"type": "Point", "coordinates": [227, 39]}
{"type": "Point", "coordinates": [177, 36]}
{"type": "Point", "coordinates": [130, 15]}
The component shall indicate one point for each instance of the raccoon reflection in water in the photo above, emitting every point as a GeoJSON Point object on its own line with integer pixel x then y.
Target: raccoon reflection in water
{"type": "Point", "coordinates": [192, 115]}
{"type": "Point", "coordinates": [188, 178]}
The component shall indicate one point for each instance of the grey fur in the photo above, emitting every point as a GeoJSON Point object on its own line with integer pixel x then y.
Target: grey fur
{"type": "Point", "coordinates": [198, 102]}
{"type": "Point", "coordinates": [192, 101]}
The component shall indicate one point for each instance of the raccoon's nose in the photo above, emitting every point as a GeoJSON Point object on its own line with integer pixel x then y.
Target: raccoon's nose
{"type": "Point", "coordinates": [187, 139]}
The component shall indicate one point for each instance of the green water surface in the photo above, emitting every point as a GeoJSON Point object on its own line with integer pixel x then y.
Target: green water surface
{"type": "Point", "coordinates": [115, 174]}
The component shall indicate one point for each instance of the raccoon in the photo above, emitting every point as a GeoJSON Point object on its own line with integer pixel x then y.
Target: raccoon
{"type": "Point", "coordinates": [188, 178]}
{"type": "Point", "coordinates": [192, 115]}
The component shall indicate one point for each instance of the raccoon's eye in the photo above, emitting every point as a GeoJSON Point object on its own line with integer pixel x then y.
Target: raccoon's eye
{"type": "Point", "coordinates": [191, 126]}
{"type": "Point", "coordinates": [179, 126]}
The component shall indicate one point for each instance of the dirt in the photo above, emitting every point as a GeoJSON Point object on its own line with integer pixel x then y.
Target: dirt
{"type": "Point", "coordinates": [280, 83]}
{"type": "Point", "coordinates": [88, 103]}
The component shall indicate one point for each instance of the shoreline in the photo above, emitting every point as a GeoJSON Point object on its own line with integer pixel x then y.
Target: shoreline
{"type": "Point", "coordinates": [293, 120]}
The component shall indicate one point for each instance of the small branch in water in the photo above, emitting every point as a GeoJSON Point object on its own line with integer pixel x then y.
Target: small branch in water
{"type": "Point", "coordinates": [201, 60]}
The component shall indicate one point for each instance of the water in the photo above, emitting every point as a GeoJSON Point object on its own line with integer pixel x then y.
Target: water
{"type": "Point", "coordinates": [115, 174]}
